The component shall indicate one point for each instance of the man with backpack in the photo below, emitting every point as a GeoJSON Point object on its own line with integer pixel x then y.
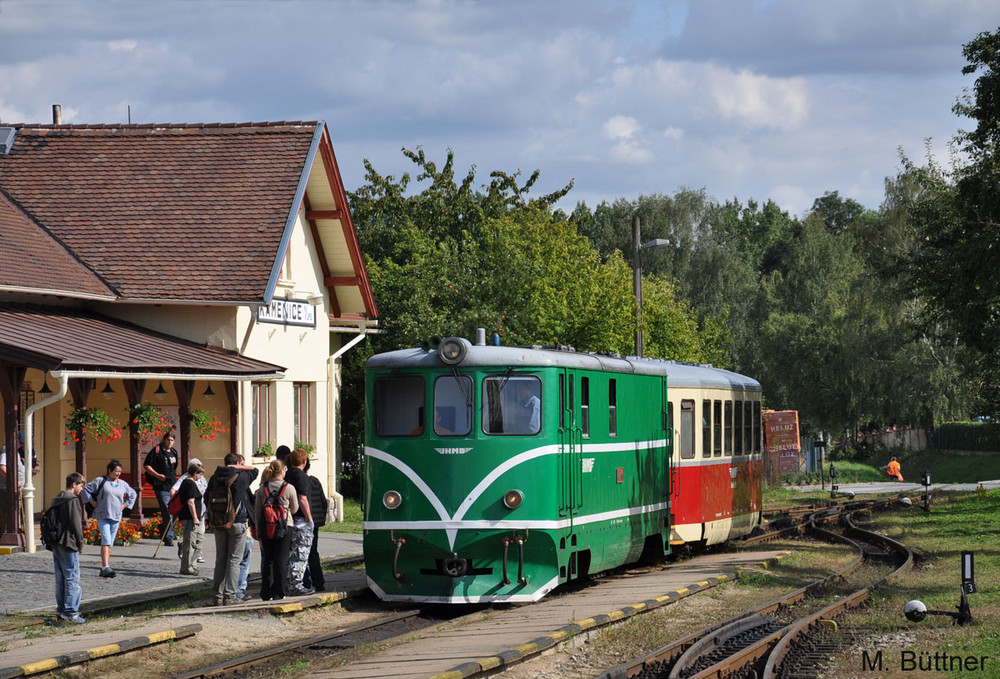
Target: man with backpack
{"type": "Point", "coordinates": [62, 531]}
{"type": "Point", "coordinates": [227, 515]}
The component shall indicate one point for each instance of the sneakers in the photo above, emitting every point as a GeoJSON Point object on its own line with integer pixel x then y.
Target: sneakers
{"type": "Point", "coordinates": [245, 597]}
{"type": "Point", "coordinates": [108, 572]}
{"type": "Point", "coordinates": [190, 571]}
{"type": "Point", "coordinates": [303, 592]}
{"type": "Point", "coordinates": [200, 559]}
{"type": "Point", "coordinates": [219, 602]}
{"type": "Point", "coordinates": [168, 543]}
{"type": "Point", "coordinates": [75, 618]}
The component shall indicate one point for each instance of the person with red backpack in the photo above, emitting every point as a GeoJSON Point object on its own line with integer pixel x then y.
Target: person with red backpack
{"type": "Point", "coordinates": [274, 504]}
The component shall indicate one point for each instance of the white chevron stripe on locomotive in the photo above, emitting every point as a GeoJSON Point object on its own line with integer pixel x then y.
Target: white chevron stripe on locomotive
{"type": "Point", "coordinates": [451, 524]}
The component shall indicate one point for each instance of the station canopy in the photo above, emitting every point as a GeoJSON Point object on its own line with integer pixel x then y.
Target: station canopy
{"type": "Point", "coordinates": [76, 340]}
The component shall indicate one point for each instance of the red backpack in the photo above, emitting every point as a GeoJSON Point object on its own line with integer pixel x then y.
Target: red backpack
{"type": "Point", "coordinates": [275, 514]}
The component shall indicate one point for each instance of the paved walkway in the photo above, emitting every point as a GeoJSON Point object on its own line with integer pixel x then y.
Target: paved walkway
{"type": "Point", "coordinates": [887, 486]}
{"type": "Point", "coordinates": [27, 583]}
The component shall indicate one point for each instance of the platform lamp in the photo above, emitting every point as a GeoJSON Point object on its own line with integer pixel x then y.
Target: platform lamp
{"type": "Point", "coordinates": [637, 248]}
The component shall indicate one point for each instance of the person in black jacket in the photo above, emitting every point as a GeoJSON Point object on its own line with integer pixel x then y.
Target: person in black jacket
{"type": "Point", "coordinates": [229, 541]}
{"type": "Point", "coordinates": [318, 505]}
{"type": "Point", "coordinates": [161, 472]}
{"type": "Point", "coordinates": [66, 554]}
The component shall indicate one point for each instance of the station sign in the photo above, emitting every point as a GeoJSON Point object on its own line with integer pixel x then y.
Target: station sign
{"type": "Point", "coordinates": [288, 312]}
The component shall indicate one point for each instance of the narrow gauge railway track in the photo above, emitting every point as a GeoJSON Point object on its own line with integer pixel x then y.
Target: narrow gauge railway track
{"type": "Point", "coordinates": [372, 631]}
{"type": "Point", "coordinates": [762, 642]}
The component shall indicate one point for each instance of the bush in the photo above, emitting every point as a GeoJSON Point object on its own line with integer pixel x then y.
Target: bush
{"type": "Point", "coordinates": [969, 436]}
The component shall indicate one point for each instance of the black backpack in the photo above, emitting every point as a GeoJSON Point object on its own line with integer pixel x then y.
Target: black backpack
{"type": "Point", "coordinates": [53, 525]}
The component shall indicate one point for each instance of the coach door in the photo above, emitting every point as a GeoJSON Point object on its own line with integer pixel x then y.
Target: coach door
{"type": "Point", "coordinates": [570, 443]}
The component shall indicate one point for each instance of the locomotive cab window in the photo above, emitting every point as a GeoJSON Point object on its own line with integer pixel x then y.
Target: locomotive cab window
{"type": "Point", "coordinates": [399, 406]}
{"type": "Point", "coordinates": [453, 406]}
{"type": "Point", "coordinates": [512, 405]}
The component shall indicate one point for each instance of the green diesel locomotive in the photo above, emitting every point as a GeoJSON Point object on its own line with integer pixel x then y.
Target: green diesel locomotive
{"type": "Point", "coordinates": [498, 473]}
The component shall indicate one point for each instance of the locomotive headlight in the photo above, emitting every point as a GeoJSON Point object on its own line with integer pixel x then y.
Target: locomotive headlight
{"type": "Point", "coordinates": [512, 499]}
{"type": "Point", "coordinates": [453, 350]}
{"type": "Point", "coordinates": [392, 499]}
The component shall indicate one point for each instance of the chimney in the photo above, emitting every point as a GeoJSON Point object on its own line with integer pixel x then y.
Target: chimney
{"type": "Point", "coordinates": [56, 114]}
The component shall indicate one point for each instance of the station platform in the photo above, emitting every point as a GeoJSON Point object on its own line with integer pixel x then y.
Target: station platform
{"type": "Point", "coordinates": [27, 583]}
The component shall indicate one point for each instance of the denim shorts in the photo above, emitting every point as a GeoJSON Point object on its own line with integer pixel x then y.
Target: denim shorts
{"type": "Point", "coordinates": [109, 529]}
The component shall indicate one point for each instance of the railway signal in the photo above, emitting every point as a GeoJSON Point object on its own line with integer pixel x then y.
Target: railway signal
{"type": "Point", "coordinates": [916, 611]}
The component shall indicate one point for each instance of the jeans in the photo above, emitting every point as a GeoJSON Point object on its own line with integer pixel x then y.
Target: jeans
{"type": "Point", "coordinates": [108, 529]}
{"type": "Point", "coordinates": [241, 585]}
{"type": "Point", "coordinates": [68, 592]}
{"type": "Point", "coordinates": [163, 499]}
{"type": "Point", "coordinates": [228, 554]}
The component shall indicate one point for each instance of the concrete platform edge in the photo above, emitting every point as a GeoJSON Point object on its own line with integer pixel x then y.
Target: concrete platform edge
{"type": "Point", "coordinates": [539, 645]}
{"type": "Point", "coordinates": [76, 658]}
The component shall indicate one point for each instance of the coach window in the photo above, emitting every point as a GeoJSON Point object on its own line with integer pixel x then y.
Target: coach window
{"type": "Point", "coordinates": [717, 428]}
{"type": "Point", "coordinates": [728, 437]}
{"type": "Point", "coordinates": [612, 407]}
{"type": "Point", "coordinates": [452, 405]}
{"type": "Point", "coordinates": [747, 427]}
{"type": "Point", "coordinates": [687, 429]}
{"type": "Point", "coordinates": [399, 406]}
{"type": "Point", "coordinates": [585, 406]}
{"type": "Point", "coordinates": [706, 428]}
{"type": "Point", "coordinates": [512, 405]}
{"type": "Point", "coordinates": [738, 429]}
{"type": "Point", "coordinates": [756, 427]}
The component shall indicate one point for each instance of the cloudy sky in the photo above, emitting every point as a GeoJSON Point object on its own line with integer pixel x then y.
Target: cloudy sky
{"type": "Point", "coordinates": [780, 99]}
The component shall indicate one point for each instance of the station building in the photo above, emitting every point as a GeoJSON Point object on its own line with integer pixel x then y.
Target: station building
{"type": "Point", "coordinates": [208, 275]}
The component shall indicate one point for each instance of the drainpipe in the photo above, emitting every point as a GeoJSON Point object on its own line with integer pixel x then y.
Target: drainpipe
{"type": "Point", "coordinates": [28, 491]}
{"type": "Point", "coordinates": [332, 373]}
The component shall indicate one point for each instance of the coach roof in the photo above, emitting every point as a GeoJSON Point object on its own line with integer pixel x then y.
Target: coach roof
{"type": "Point", "coordinates": [678, 374]}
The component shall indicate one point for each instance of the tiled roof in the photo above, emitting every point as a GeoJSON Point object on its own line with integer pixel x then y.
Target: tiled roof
{"type": "Point", "coordinates": [56, 338]}
{"type": "Point", "coordinates": [164, 212]}
{"type": "Point", "coordinates": [31, 259]}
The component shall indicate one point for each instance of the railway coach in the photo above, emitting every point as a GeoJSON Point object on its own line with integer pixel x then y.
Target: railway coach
{"type": "Point", "coordinates": [497, 473]}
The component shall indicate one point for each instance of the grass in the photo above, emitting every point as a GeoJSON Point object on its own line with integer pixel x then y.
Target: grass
{"type": "Point", "coordinates": [956, 523]}
{"type": "Point", "coordinates": [352, 519]}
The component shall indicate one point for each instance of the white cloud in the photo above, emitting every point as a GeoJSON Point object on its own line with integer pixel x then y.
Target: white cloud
{"type": "Point", "coordinates": [758, 100]}
{"type": "Point", "coordinates": [621, 127]}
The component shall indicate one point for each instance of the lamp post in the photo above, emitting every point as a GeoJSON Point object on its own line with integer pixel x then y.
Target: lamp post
{"type": "Point", "coordinates": [637, 248]}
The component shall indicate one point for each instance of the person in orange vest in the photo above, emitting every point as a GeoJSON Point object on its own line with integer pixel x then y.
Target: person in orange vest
{"type": "Point", "coordinates": [894, 470]}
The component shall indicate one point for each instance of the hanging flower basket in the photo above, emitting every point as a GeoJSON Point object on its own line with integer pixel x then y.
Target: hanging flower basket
{"type": "Point", "coordinates": [151, 424]}
{"type": "Point", "coordinates": [93, 421]}
{"type": "Point", "coordinates": [207, 424]}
